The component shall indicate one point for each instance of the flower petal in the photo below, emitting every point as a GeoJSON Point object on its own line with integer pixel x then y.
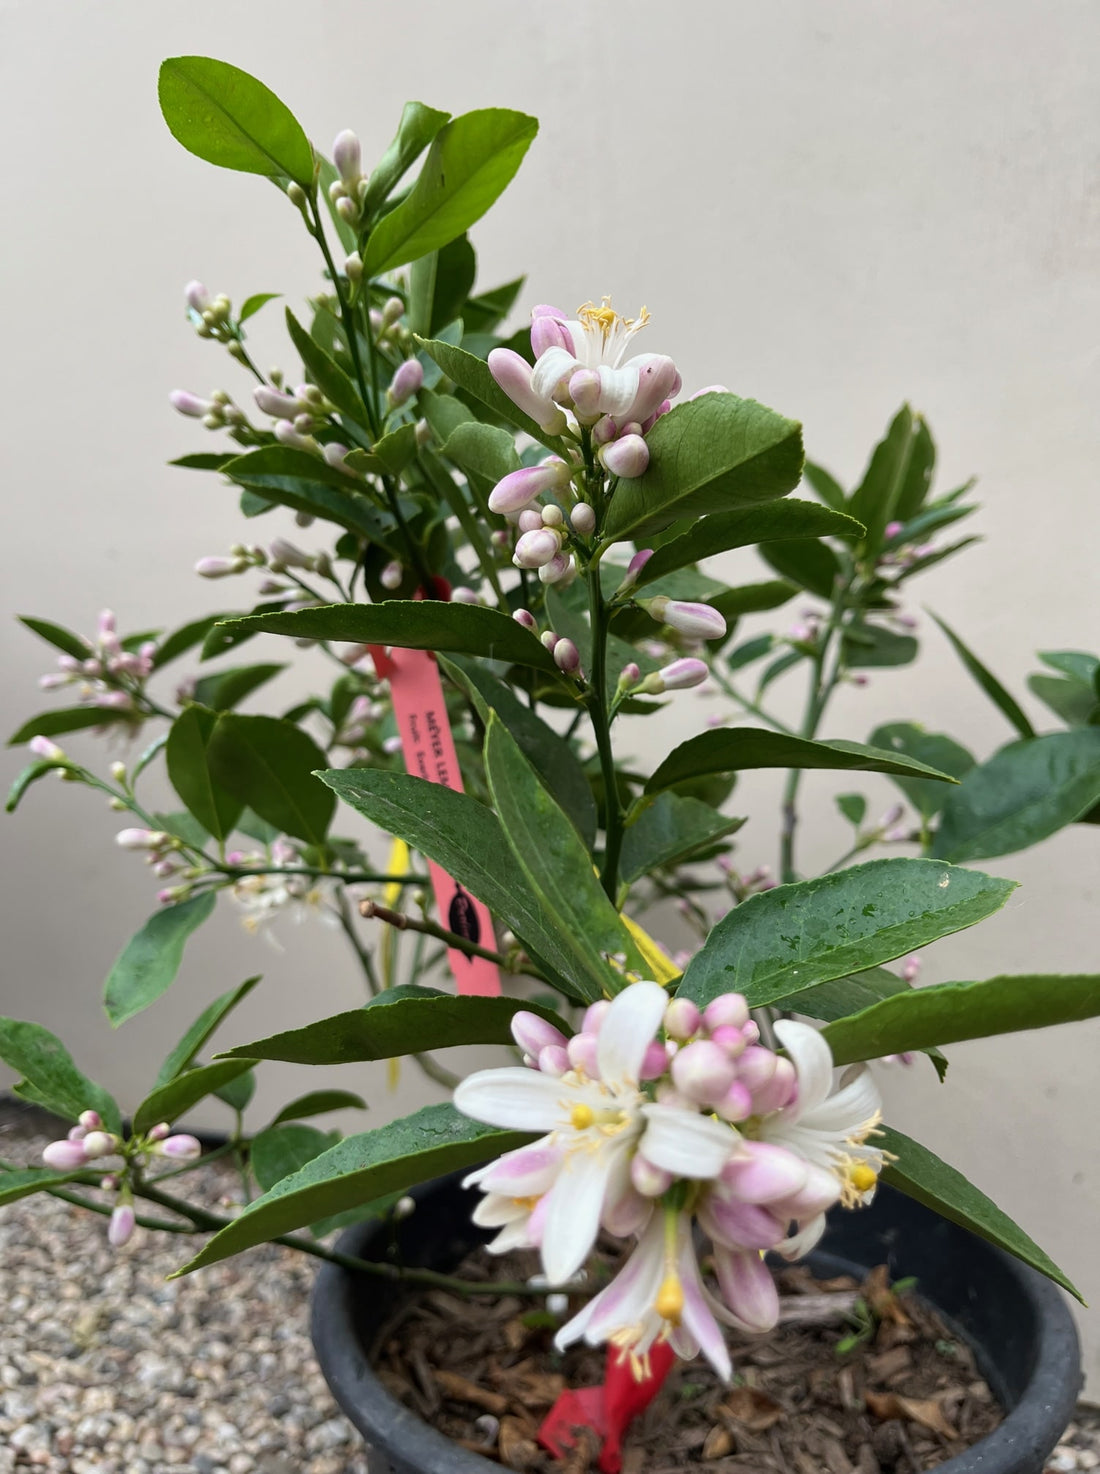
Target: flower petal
{"type": "Point", "coordinates": [627, 1030]}
{"type": "Point", "coordinates": [813, 1062]}
{"type": "Point", "coordinates": [573, 1211]}
{"type": "Point", "coordinates": [515, 1098]}
{"type": "Point", "coordinates": [744, 1225]}
{"type": "Point", "coordinates": [554, 365]}
{"type": "Point", "coordinates": [747, 1288]}
{"type": "Point", "coordinates": [526, 1173]}
{"type": "Point", "coordinates": [618, 390]}
{"type": "Point", "coordinates": [857, 1103]}
{"type": "Point", "coordinates": [764, 1172]}
{"type": "Point", "coordinates": [804, 1240]}
{"type": "Point", "coordinates": [698, 1317]}
{"type": "Point", "coordinates": [686, 1143]}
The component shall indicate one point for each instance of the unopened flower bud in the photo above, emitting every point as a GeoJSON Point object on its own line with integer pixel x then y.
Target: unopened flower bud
{"type": "Point", "coordinates": [280, 406]}
{"type": "Point", "coordinates": [658, 381]}
{"type": "Point", "coordinates": [536, 548]}
{"type": "Point", "coordinates": [190, 404]}
{"type": "Point", "coordinates": [548, 330]}
{"type": "Point", "coordinates": [121, 1226]}
{"type": "Point", "coordinates": [891, 530]}
{"type": "Point", "coordinates": [553, 1059]}
{"type": "Point", "coordinates": [737, 1104]}
{"type": "Point", "coordinates": [552, 516]}
{"type": "Point", "coordinates": [519, 488]}
{"type": "Point", "coordinates": [697, 621]}
{"type": "Point", "coordinates": [513, 374]}
{"type": "Point", "coordinates": [650, 1181]}
{"type": "Point", "coordinates": [198, 298]}
{"type": "Point", "coordinates": [392, 311]}
{"type": "Point", "coordinates": [284, 552]}
{"type": "Point", "coordinates": [582, 1052]}
{"type": "Point", "coordinates": [407, 381]}
{"type": "Point", "coordinates": [529, 520]}
{"type": "Point", "coordinates": [775, 1093]}
{"type": "Point", "coordinates": [215, 567]}
{"type": "Point", "coordinates": [702, 1071]}
{"type": "Point", "coordinates": [64, 1156]}
{"type": "Point", "coordinates": [628, 456]}
{"type": "Point", "coordinates": [729, 1010]}
{"type": "Point", "coordinates": [43, 748]}
{"type": "Point", "coordinates": [756, 1067]}
{"type": "Point", "coordinates": [141, 839]}
{"type": "Point", "coordinates": [633, 569]}
{"type": "Point", "coordinates": [391, 575]}
{"type": "Point", "coordinates": [549, 639]}
{"type": "Point", "coordinates": [99, 1144]}
{"type": "Point", "coordinates": [525, 618]}
{"type": "Point", "coordinates": [678, 676]}
{"type": "Point", "coordinates": [296, 195]}
{"type": "Point", "coordinates": [584, 391]}
{"type": "Point", "coordinates": [583, 519]}
{"type": "Point", "coordinates": [533, 1033]}
{"type": "Point", "coordinates": [348, 157]}
{"type": "Point", "coordinates": [287, 434]}
{"type": "Point", "coordinates": [654, 1061]}
{"type": "Point", "coordinates": [910, 968]}
{"type": "Point", "coordinates": [90, 1120]}
{"type": "Point", "coordinates": [567, 657]}
{"type": "Point", "coordinates": [629, 676]}
{"type": "Point", "coordinates": [181, 1147]}
{"type": "Point", "coordinates": [681, 1018]}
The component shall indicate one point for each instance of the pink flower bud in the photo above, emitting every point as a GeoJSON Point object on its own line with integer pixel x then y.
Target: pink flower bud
{"type": "Point", "coordinates": [198, 298]}
{"type": "Point", "coordinates": [756, 1067]}
{"type": "Point", "coordinates": [910, 968]}
{"type": "Point", "coordinates": [567, 657]}
{"type": "Point", "coordinates": [583, 1054]}
{"type": "Point", "coordinates": [594, 1016]}
{"type": "Point", "coordinates": [181, 1147]}
{"type": "Point", "coordinates": [215, 567]}
{"type": "Point", "coordinates": [657, 381]}
{"type": "Point", "coordinates": [347, 209]}
{"type": "Point", "coordinates": [190, 404]}
{"type": "Point", "coordinates": [775, 1093]}
{"type": "Point", "coordinates": [763, 1173]}
{"type": "Point", "coordinates": [513, 374]}
{"type": "Point", "coordinates": [650, 1181]}
{"type": "Point", "coordinates": [630, 675]}
{"type": "Point", "coordinates": [348, 157]}
{"type": "Point", "coordinates": [628, 456]}
{"type": "Point", "coordinates": [274, 403]}
{"type": "Point", "coordinates": [49, 751]}
{"type": "Point", "coordinates": [633, 568]}
{"type": "Point", "coordinates": [115, 700]}
{"type": "Point", "coordinates": [548, 330]}
{"type": "Point", "coordinates": [702, 1071]}
{"type": "Point", "coordinates": [91, 1120]}
{"type": "Point", "coordinates": [77, 1133]}
{"type": "Point", "coordinates": [654, 1061]}
{"type": "Point", "coordinates": [729, 1009]}
{"type": "Point", "coordinates": [284, 552]}
{"type": "Point", "coordinates": [583, 519]}
{"type": "Point", "coordinates": [391, 575]}
{"type": "Point", "coordinates": [536, 548]}
{"type": "Point", "coordinates": [336, 454]}
{"type": "Point", "coordinates": [392, 310]}
{"type": "Point", "coordinates": [681, 1019]}
{"type": "Point", "coordinates": [549, 640]}
{"type": "Point", "coordinates": [554, 1060]}
{"type": "Point", "coordinates": [558, 570]}
{"type": "Point", "coordinates": [460, 594]}
{"type": "Point", "coordinates": [286, 434]}
{"type": "Point", "coordinates": [737, 1104]}
{"type": "Point", "coordinates": [121, 1225]}
{"type": "Point", "coordinates": [730, 1039]}
{"type": "Point", "coordinates": [751, 1032]}
{"type": "Point", "coordinates": [678, 676]}
{"type": "Point", "coordinates": [64, 1156]}
{"type": "Point", "coordinates": [407, 381]}
{"type": "Point", "coordinates": [697, 621]}
{"type": "Point", "coordinates": [141, 839]}
{"type": "Point", "coordinates": [162, 1129]}
{"type": "Point", "coordinates": [525, 618]}
{"type": "Point", "coordinates": [99, 1144]}
{"type": "Point", "coordinates": [892, 529]}
{"type": "Point", "coordinates": [584, 391]}
{"type": "Point", "coordinates": [529, 520]}
{"type": "Point", "coordinates": [516, 491]}
{"type": "Point", "coordinates": [533, 1033]}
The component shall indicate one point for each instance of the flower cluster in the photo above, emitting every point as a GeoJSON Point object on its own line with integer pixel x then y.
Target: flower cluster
{"type": "Point", "coordinates": [110, 672]}
{"type": "Point", "coordinates": [656, 1117]}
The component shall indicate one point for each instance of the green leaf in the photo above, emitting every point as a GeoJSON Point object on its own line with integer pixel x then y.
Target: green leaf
{"type": "Point", "coordinates": [415, 624]}
{"type": "Point", "coordinates": [251, 305]}
{"type": "Point", "coordinates": [550, 755]}
{"type": "Point", "coordinates": [229, 118]}
{"type": "Point", "coordinates": [296, 479]}
{"type": "Point", "coordinates": [810, 563]}
{"type": "Point", "coordinates": [67, 719]}
{"type": "Point", "coordinates": [876, 499]}
{"type": "Point", "coordinates": [949, 1012]}
{"type": "Point", "coordinates": [484, 451]}
{"type": "Point", "coordinates": [16, 1183]}
{"type": "Point", "coordinates": [186, 637]}
{"type": "Point", "coordinates": [1077, 664]}
{"type": "Point", "coordinates": [1024, 793]}
{"type": "Point", "coordinates": [438, 286]}
{"type": "Point", "coordinates": [325, 372]}
{"type": "Point", "coordinates": [988, 682]}
{"type": "Point", "coordinates": [281, 1150]}
{"type": "Point", "coordinates": [472, 374]}
{"type": "Point", "coordinates": [751, 598]}
{"type": "Point", "coordinates": [749, 651]}
{"type": "Point", "coordinates": [176, 1097]}
{"type": "Point", "coordinates": [269, 764]}
{"type": "Point", "coordinates": [434, 1140]}
{"type": "Point", "coordinates": [204, 460]}
{"type": "Point", "coordinates": [667, 829]}
{"type": "Point", "coordinates": [468, 840]}
{"type": "Point", "coordinates": [150, 960]}
{"type": "Point", "coordinates": [1071, 699]}
{"type": "Point", "coordinates": [30, 774]}
{"type": "Point", "coordinates": [470, 162]}
{"type": "Point", "coordinates": [418, 126]}
{"type": "Point", "coordinates": [237, 1092]}
{"type": "Point", "coordinates": [183, 1054]}
{"type": "Point", "coordinates": [922, 1175]}
{"type": "Point", "coordinates": [840, 997]}
{"type": "Point", "coordinates": [874, 645]}
{"type": "Point", "coordinates": [827, 486]}
{"type": "Point", "coordinates": [779, 942]}
{"type": "Point", "coordinates": [57, 636]}
{"type": "Point", "coordinates": [731, 749]}
{"type": "Point", "coordinates": [186, 758]}
{"type": "Point", "coordinates": [786, 520]}
{"type": "Point", "coordinates": [397, 449]}
{"type": "Point", "coordinates": [707, 455]}
{"type": "Point", "coordinates": [377, 1208]}
{"type": "Point", "coordinates": [918, 473]}
{"type": "Point", "coordinates": [853, 806]}
{"type": "Point", "coordinates": [225, 688]}
{"type": "Point", "coordinates": [402, 1020]}
{"type": "Point", "coordinates": [485, 312]}
{"type": "Point", "coordinates": [934, 748]}
{"type": "Point", "coordinates": [317, 1102]}
{"type": "Point", "coordinates": [52, 1078]}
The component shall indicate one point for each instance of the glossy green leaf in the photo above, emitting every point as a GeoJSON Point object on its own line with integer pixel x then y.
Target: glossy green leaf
{"type": "Point", "coordinates": [853, 806]}
{"type": "Point", "coordinates": [227, 117]}
{"type": "Point", "coordinates": [711, 454]}
{"type": "Point", "coordinates": [918, 473]}
{"type": "Point", "coordinates": [397, 449]}
{"type": "Point", "coordinates": [237, 1091]}
{"type": "Point", "coordinates": [224, 689]}
{"type": "Point", "coordinates": [988, 682]}
{"type": "Point", "coordinates": [779, 942]}
{"type": "Point", "coordinates": [751, 598]}
{"type": "Point", "coordinates": [182, 1055]}
{"type": "Point", "coordinates": [1077, 664]}
{"type": "Point", "coordinates": [949, 1012]}
{"type": "Point", "coordinates": [826, 485]}
{"type": "Point", "coordinates": [768, 522]}
{"type": "Point", "coordinates": [730, 749]}
{"type": "Point", "coordinates": [325, 372]}
{"type": "Point", "coordinates": [468, 840]}
{"type": "Point", "coordinates": [204, 460]}
{"type": "Point", "coordinates": [280, 1150]}
{"type": "Point", "coordinates": [934, 748]}
{"type": "Point", "coordinates": [251, 305]}
{"type": "Point", "coordinates": [668, 829]}
{"type": "Point", "coordinates": [550, 853]}
{"type": "Point", "coordinates": [418, 126]}
{"type": "Point", "coordinates": [402, 1020]}
{"type": "Point", "coordinates": [549, 754]}
{"type": "Point", "coordinates": [810, 563]}
{"type": "Point", "coordinates": [30, 774]}
{"type": "Point", "coordinates": [50, 1077]}
{"type": "Point", "coordinates": [296, 479]}
{"type": "Point", "coordinates": [920, 1174]}
{"type": "Point", "coordinates": [1075, 701]}
{"type": "Point", "coordinates": [749, 651]}
{"type": "Point", "coordinates": [150, 960]}
{"type": "Point", "coordinates": [189, 771]}
{"type": "Point", "coordinates": [438, 286]}
{"type": "Point", "coordinates": [269, 765]}
{"type": "Point", "coordinates": [483, 451]}
{"type": "Point", "coordinates": [413, 1149]}
{"type": "Point", "coordinates": [67, 719]}
{"type": "Point", "coordinates": [186, 637]}
{"type": "Point", "coordinates": [175, 1098]}
{"type": "Point", "coordinates": [470, 162]}
{"type": "Point", "coordinates": [472, 374]}
{"type": "Point", "coordinates": [874, 645]}
{"type": "Point", "coordinates": [1025, 792]}
{"type": "Point", "coordinates": [840, 997]}
{"type": "Point", "coordinates": [20, 1182]}
{"type": "Point", "coordinates": [318, 1103]}
{"type": "Point", "coordinates": [876, 499]}
{"type": "Point", "coordinates": [782, 663]}
{"type": "Point", "coordinates": [416, 624]}
{"type": "Point", "coordinates": [57, 636]}
{"type": "Point", "coordinates": [485, 312]}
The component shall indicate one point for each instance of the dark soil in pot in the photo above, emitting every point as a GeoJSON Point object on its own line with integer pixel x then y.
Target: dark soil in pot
{"type": "Point", "coordinates": [985, 1350]}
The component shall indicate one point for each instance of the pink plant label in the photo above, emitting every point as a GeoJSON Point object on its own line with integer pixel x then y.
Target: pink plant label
{"type": "Point", "coordinates": [429, 750]}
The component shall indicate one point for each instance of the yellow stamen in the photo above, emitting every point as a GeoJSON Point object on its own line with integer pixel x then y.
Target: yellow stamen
{"type": "Point", "coordinates": [669, 1303]}
{"type": "Point", "coordinates": [862, 1177]}
{"type": "Point", "coordinates": [581, 1117]}
{"type": "Point", "coordinates": [528, 1203]}
{"type": "Point", "coordinates": [605, 320]}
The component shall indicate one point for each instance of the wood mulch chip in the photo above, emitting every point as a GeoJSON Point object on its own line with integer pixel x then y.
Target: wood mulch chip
{"type": "Point", "coordinates": [484, 1372]}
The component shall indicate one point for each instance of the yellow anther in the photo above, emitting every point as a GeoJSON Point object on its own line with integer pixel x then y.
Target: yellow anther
{"type": "Point", "coordinates": [527, 1203]}
{"type": "Point", "coordinates": [581, 1117]}
{"type": "Point", "coordinates": [862, 1177]}
{"type": "Point", "coordinates": [669, 1303]}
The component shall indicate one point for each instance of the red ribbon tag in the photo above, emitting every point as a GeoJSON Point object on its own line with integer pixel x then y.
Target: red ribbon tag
{"type": "Point", "coordinates": [609, 1409]}
{"type": "Point", "coordinates": [426, 741]}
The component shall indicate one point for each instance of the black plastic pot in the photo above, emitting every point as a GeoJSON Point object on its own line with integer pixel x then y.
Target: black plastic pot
{"type": "Point", "coordinates": [1016, 1321]}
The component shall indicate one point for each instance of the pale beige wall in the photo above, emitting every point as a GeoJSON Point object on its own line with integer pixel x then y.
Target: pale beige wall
{"type": "Point", "coordinates": [830, 206]}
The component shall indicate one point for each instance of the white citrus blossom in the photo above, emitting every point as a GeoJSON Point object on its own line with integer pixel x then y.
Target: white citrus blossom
{"type": "Point", "coordinates": [593, 345]}
{"type": "Point", "coordinates": [595, 1121]}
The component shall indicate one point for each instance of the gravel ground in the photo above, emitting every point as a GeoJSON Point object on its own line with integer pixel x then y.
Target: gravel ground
{"type": "Point", "coordinates": [105, 1368]}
